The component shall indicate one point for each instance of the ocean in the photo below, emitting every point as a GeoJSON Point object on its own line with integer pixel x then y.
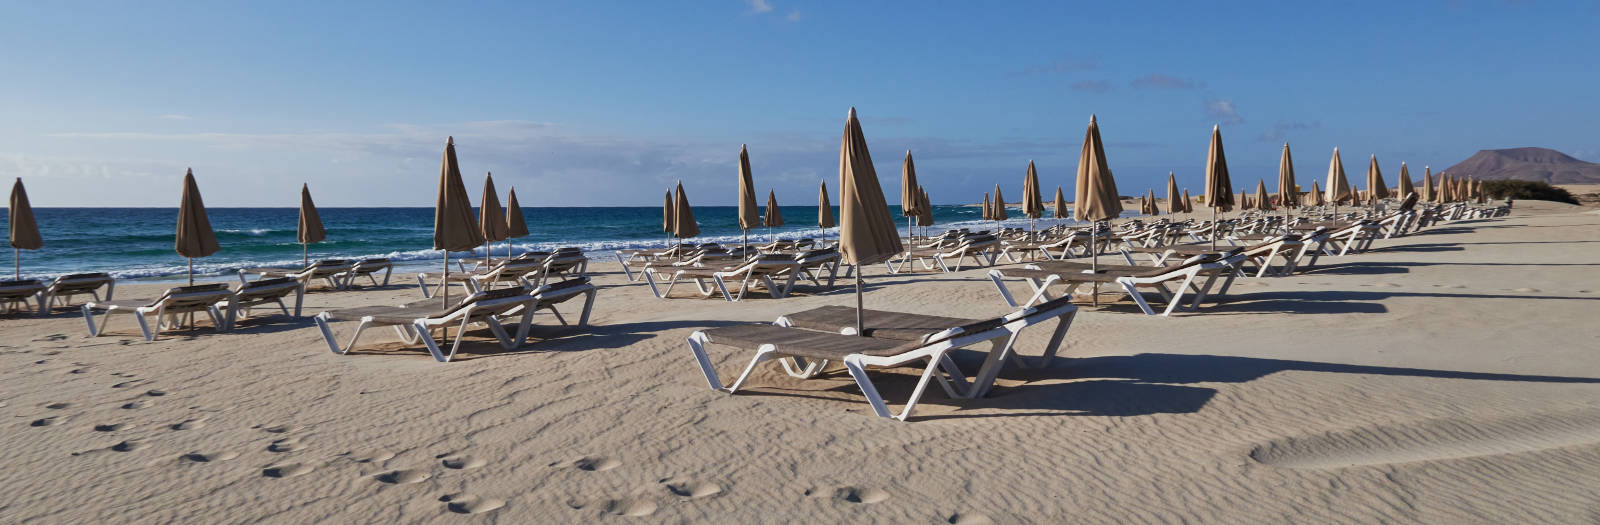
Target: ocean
{"type": "Point", "coordinates": [137, 243]}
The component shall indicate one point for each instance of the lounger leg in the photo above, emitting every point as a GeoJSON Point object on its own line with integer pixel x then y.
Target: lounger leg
{"type": "Point", "coordinates": [1138, 298]}
{"type": "Point", "coordinates": [763, 353]}
{"type": "Point", "coordinates": [697, 345]}
{"type": "Point", "coordinates": [327, 334]}
{"type": "Point", "coordinates": [859, 372]}
{"type": "Point", "coordinates": [1000, 284]}
{"type": "Point", "coordinates": [144, 326]}
{"type": "Point", "coordinates": [650, 278]}
{"type": "Point", "coordinates": [1177, 298]}
{"type": "Point", "coordinates": [88, 317]}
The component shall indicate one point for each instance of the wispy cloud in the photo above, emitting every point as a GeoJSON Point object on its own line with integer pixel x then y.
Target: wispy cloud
{"type": "Point", "coordinates": [1060, 65]}
{"type": "Point", "coordinates": [1161, 81]}
{"type": "Point", "coordinates": [175, 116]}
{"type": "Point", "coordinates": [1283, 128]}
{"type": "Point", "coordinates": [1091, 86]}
{"type": "Point", "coordinates": [793, 16]}
{"type": "Point", "coordinates": [759, 6]}
{"type": "Point", "coordinates": [1222, 111]}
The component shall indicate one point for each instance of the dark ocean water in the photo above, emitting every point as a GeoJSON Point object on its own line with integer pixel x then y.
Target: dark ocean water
{"type": "Point", "coordinates": [138, 242]}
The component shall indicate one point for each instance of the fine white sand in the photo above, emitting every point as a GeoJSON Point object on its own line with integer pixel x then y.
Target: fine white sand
{"type": "Point", "coordinates": [1445, 377]}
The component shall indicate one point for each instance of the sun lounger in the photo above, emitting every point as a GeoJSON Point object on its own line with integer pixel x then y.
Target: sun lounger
{"type": "Point", "coordinates": [1065, 246]}
{"type": "Point", "coordinates": [65, 287]}
{"type": "Point", "coordinates": [413, 322]}
{"type": "Point", "coordinates": [331, 271]}
{"type": "Point", "coordinates": [983, 249]}
{"type": "Point", "coordinates": [565, 263]}
{"type": "Point", "coordinates": [17, 293]}
{"type": "Point", "coordinates": [509, 271]}
{"type": "Point", "coordinates": [1196, 274]}
{"type": "Point", "coordinates": [814, 262]}
{"type": "Point", "coordinates": [368, 268]}
{"type": "Point", "coordinates": [166, 308]}
{"type": "Point", "coordinates": [260, 292]}
{"type": "Point", "coordinates": [922, 345]}
{"type": "Point", "coordinates": [760, 269]}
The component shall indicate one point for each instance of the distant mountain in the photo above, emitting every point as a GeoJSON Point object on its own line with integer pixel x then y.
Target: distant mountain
{"type": "Point", "coordinates": [1536, 164]}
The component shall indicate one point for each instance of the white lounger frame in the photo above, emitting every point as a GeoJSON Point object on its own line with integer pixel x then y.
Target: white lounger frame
{"type": "Point", "coordinates": [166, 310]}
{"type": "Point", "coordinates": [418, 329]}
{"type": "Point", "coordinates": [936, 354]}
{"type": "Point", "coordinates": [746, 274]}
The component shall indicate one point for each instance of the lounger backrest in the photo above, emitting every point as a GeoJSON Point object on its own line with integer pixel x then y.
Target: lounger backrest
{"type": "Point", "coordinates": [80, 281]}
{"type": "Point", "coordinates": [815, 254]}
{"type": "Point", "coordinates": [268, 287]}
{"type": "Point", "coordinates": [199, 295]}
{"type": "Point", "coordinates": [24, 282]}
{"type": "Point", "coordinates": [484, 297]}
{"type": "Point", "coordinates": [561, 285]}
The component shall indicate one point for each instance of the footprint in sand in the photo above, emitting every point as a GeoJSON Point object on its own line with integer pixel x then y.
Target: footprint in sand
{"type": "Point", "coordinates": [286, 445]}
{"type": "Point", "coordinates": [596, 463]}
{"type": "Point", "coordinates": [78, 370]}
{"type": "Point", "coordinates": [462, 462]}
{"type": "Point", "coordinates": [470, 504]}
{"type": "Point", "coordinates": [189, 424]}
{"type": "Point", "coordinates": [620, 507]}
{"type": "Point", "coordinates": [692, 489]}
{"type": "Point", "coordinates": [156, 393]}
{"type": "Point", "coordinates": [48, 421]}
{"type": "Point", "coordinates": [402, 477]}
{"type": "Point", "coordinates": [968, 518]}
{"type": "Point", "coordinates": [129, 445]}
{"type": "Point", "coordinates": [58, 406]}
{"type": "Point", "coordinates": [52, 337]}
{"type": "Point", "coordinates": [286, 470]}
{"type": "Point", "coordinates": [126, 384]}
{"type": "Point", "coordinates": [860, 495]}
{"type": "Point", "coordinates": [377, 456]}
{"type": "Point", "coordinates": [282, 429]}
{"type": "Point", "coordinates": [202, 457]}
{"type": "Point", "coordinates": [112, 427]}
{"type": "Point", "coordinates": [1525, 290]}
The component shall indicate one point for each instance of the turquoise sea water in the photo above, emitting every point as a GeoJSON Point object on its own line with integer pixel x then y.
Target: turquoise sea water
{"type": "Point", "coordinates": [137, 243]}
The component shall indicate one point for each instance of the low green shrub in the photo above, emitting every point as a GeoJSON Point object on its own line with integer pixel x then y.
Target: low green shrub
{"type": "Point", "coordinates": [1527, 190]}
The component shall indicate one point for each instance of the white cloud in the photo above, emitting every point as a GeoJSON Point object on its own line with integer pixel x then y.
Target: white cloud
{"type": "Point", "coordinates": [1223, 111]}
{"type": "Point", "coordinates": [793, 16]}
{"type": "Point", "coordinates": [759, 6]}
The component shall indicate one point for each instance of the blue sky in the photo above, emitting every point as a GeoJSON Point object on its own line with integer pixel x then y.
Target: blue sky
{"type": "Point", "coordinates": [579, 103]}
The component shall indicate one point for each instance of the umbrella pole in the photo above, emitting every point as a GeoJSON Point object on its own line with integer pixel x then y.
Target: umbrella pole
{"type": "Point", "coordinates": [1094, 263]}
{"type": "Point", "coordinates": [860, 323]}
{"type": "Point", "coordinates": [19, 262]}
{"type": "Point", "coordinates": [305, 255]}
{"type": "Point", "coordinates": [1214, 226]}
{"type": "Point", "coordinates": [486, 245]}
{"type": "Point", "coordinates": [444, 282]}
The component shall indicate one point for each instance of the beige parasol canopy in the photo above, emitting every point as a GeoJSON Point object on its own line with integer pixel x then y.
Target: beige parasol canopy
{"type": "Point", "coordinates": [824, 208]}
{"type": "Point", "coordinates": [1060, 211]}
{"type": "Point", "coordinates": [909, 190]}
{"type": "Point", "coordinates": [1261, 200]}
{"type": "Point", "coordinates": [1288, 189]}
{"type": "Point", "coordinates": [310, 228]}
{"type": "Point", "coordinates": [925, 206]}
{"type": "Point", "coordinates": [1338, 186]}
{"type": "Point", "coordinates": [1188, 204]}
{"type": "Point", "coordinates": [24, 230]}
{"type": "Point", "coordinates": [999, 208]}
{"type": "Point", "coordinates": [683, 223]}
{"type": "Point", "coordinates": [867, 232]}
{"type": "Point", "coordinates": [1428, 193]}
{"type": "Point", "coordinates": [1032, 201]}
{"type": "Point", "coordinates": [454, 227]}
{"type": "Point", "coordinates": [774, 216]}
{"type": "Point", "coordinates": [516, 225]}
{"type": "Point", "coordinates": [1173, 204]}
{"type": "Point", "coordinates": [988, 209]}
{"type": "Point", "coordinates": [194, 237]}
{"type": "Point", "coordinates": [749, 215]}
{"type": "Point", "coordinates": [1405, 188]}
{"type": "Point", "coordinates": [1377, 189]}
{"type": "Point", "coordinates": [491, 217]}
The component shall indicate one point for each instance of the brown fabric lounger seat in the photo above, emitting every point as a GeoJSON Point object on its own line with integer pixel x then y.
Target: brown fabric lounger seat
{"type": "Point", "coordinates": [899, 326]}
{"type": "Point", "coordinates": [806, 343]}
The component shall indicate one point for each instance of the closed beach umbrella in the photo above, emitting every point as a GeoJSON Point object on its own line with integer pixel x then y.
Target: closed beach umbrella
{"type": "Point", "coordinates": [1444, 187]}
{"type": "Point", "coordinates": [683, 223]}
{"type": "Point", "coordinates": [999, 208]}
{"type": "Point", "coordinates": [1427, 184]}
{"type": "Point", "coordinates": [24, 231]}
{"type": "Point", "coordinates": [491, 217]}
{"type": "Point", "coordinates": [1263, 202]}
{"type": "Point", "coordinates": [988, 212]}
{"type": "Point", "coordinates": [1338, 185]}
{"type": "Point", "coordinates": [774, 216]}
{"type": "Point", "coordinates": [1150, 200]}
{"type": "Point", "coordinates": [667, 215]}
{"type": "Point", "coordinates": [749, 216]}
{"type": "Point", "coordinates": [195, 237]}
{"type": "Point", "coordinates": [1377, 189]}
{"type": "Point", "coordinates": [454, 227]}
{"type": "Point", "coordinates": [1174, 205]}
{"type": "Point", "coordinates": [1477, 191]}
{"type": "Point", "coordinates": [1188, 204]}
{"type": "Point", "coordinates": [1288, 190]}
{"type": "Point", "coordinates": [924, 219]}
{"type": "Point", "coordinates": [866, 231]}
{"type": "Point", "coordinates": [909, 192]}
{"type": "Point", "coordinates": [1219, 188]}
{"type": "Point", "coordinates": [1060, 211]}
{"type": "Point", "coordinates": [516, 226]}
{"type": "Point", "coordinates": [1032, 201]}
{"type": "Point", "coordinates": [310, 228]}
{"type": "Point", "coordinates": [1097, 198]}
{"type": "Point", "coordinates": [1405, 189]}
{"type": "Point", "coordinates": [1245, 202]}
{"type": "Point", "coordinates": [824, 211]}
{"type": "Point", "coordinates": [1314, 197]}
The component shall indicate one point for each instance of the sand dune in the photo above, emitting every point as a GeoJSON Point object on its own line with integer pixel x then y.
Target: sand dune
{"type": "Point", "coordinates": [1446, 377]}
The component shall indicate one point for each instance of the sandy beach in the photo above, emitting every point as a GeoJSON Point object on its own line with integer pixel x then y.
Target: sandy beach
{"type": "Point", "coordinates": [1443, 377]}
